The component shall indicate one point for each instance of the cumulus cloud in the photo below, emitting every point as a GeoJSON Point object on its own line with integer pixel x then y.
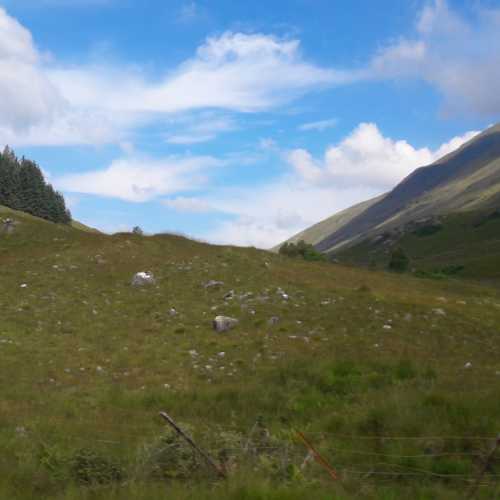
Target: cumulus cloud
{"type": "Point", "coordinates": [366, 157]}
{"type": "Point", "coordinates": [459, 57]}
{"type": "Point", "coordinates": [140, 179]}
{"type": "Point", "coordinates": [363, 165]}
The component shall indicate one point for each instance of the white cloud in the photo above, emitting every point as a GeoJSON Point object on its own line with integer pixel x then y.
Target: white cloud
{"type": "Point", "coordinates": [458, 57]}
{"type": "Point", "coordinates": [234, 71]}
{"type": "Point", "coordinates": [320, 125]}
{"type": "Point", "coordinates": [359, 167]}
{"type": "Point", "coordinates": [202, 129]}
{"type": "Point", "coordinates": [366, 157]}
{"type": "Point", "coordinates": [140, 179]}
{"type": "Point", "coordinates": [44, 102]}
{"type": "Point", "coordinates": [186, 204]}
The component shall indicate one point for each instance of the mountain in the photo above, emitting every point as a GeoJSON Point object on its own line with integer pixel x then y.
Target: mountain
{"type": "Point", "coordinates": [467, 179]}
{"type": "Point", "coordinates": [392, 378]}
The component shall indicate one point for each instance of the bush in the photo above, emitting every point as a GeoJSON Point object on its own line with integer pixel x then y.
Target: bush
{"type": "Point", "coordinates": [399, 261]}
{"type": "Point", "coordinates": [88, 467]}
{"type": "Point", "coordinates": [302, 250]}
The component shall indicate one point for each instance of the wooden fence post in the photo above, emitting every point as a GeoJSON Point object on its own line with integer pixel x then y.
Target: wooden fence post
{"type": "Point", "coordinates": [210, 461]}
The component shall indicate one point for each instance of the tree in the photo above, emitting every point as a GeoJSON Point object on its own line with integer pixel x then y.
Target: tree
{"type": "Point", "coordinates": [23, 187]}
{"type": "Point", "coordinates": [399, 261]}
{"type": "Point", "coordinates": [137, 230]}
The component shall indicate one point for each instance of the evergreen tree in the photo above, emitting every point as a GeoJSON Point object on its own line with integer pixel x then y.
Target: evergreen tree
{"type": "Point", "coordinates": [23, 187]}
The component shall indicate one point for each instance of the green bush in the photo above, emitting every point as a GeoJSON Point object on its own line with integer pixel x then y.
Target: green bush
{"type": "Point", "coordinates": [89, 467]}
{"type": "Point", "coordinates": [302, 250]}
{"type": "Point", "coordinates": [399, 261]}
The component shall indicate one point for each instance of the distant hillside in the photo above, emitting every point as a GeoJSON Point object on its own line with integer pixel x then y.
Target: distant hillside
{"type": "Point", "coordinates": [23, 188]}
{"type": "Point", "coordinates": [317, 233]}
{"type": "Point", "coordinates": [467, 179]}
{"type": "Point", "coordinates": [458, 245]}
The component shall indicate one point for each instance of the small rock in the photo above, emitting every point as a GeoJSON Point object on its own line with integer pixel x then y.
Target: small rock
{"type": "Point", "coordinates": [439, 312]}
{"type": "Point", "coordinates": [274, 320]}
{"type": "Point", "coordinates": [387, 327]}
{"type": "Point", "coordinates": [224, 323]}
{"type": "Point", "coordinates": [213, 284]}
{"type": "Point", "coordinates": [24, 285]}
{"type": "Point", "coordinates": [143, 278]}
{"type": "Point", "coordinates": [468, 365]}
{"type": "Point", "coordinates": [172, 311]}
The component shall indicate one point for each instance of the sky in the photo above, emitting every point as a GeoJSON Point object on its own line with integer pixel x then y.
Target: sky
{"type": "Point", "coordinates": [240, 122]}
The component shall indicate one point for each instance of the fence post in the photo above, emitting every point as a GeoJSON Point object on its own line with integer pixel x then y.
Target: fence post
{"type": "Point", "coordinates": [210, 461]}
{"type": "Point", "coordinates": [317, 456]}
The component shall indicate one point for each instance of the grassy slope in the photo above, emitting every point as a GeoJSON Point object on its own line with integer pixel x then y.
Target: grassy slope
{"type": "Point", "coordinates": [321, 230]}
{"type": "Point", "coordinates": [328, 369]}
{"type": "Point", "coordinates": [466, 179]}
{"type": "Point", "coordinates": [469, 239]}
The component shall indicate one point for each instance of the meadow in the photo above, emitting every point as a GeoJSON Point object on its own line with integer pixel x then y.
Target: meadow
{"type": "Point", "coordinates": [394, 379]}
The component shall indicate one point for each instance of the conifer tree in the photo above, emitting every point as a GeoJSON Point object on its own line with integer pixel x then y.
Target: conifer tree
{"type": "Point", "coordinates": [23, 187]}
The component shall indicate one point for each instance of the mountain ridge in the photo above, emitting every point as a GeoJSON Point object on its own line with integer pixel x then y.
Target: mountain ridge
{"type": "Point", "coordinates": [465, 179]}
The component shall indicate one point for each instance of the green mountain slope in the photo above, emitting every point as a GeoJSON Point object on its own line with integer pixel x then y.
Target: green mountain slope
{"type": "Point", "coordinates": [467, 179]}
{"type": "Point", "coordinates": [317, 233]}
{"type": "Point", "coordinates": [461, 245]}
{"type": "Point", "coordinates": [394, 379]}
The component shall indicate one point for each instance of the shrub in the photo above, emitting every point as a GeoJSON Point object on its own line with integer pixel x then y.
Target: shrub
{"type": "Point", "coordinates": [89, 467]}
{"type": "Point", "coordinates": [399, 261]}
{"type": "Point", "coordinates": [302, 250]}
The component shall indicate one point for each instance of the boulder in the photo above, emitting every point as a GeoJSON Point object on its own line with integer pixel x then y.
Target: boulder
{"type": "Point", "coordinates": [224, 323]}
{"type": "Point", "coordinates": [143, 279]}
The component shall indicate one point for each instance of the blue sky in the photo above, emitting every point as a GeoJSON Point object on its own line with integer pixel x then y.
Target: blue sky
{"type": "Point", "coordinates": [240, 122]}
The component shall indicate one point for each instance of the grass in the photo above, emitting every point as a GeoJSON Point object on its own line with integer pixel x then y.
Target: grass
{"type": "Point", "coordinates": [465, 245]}
{"type": "Point", "coordinates": [369, 365]}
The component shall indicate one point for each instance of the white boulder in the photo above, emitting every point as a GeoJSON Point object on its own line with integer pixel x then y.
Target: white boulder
{"type": "Point", "coordinates": [143, 278]}
{"type": "Point", "coordinates": [224, 323]}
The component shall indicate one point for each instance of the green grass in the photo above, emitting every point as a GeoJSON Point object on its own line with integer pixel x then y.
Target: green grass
{"type": "Point", "coordinates": [85, 359]}
{"type": "Point", "coordinates": [465, 245]}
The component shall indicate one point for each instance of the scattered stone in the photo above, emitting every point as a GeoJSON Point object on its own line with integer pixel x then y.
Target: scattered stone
{"type": "Point", "coordinates": [24, 285]}
{"type": "Point", "coordinates": [213, 284]}
{"type": "Point", "coordinates": [439, 311]}
{"type": "Point", "coordinates": [274, 320]}
{"type": "Point", "coordinates": [172, 311]}
{"type": "Point", "coordinates": [224, 323]}
{"type": "Point", "coordinates": [221, 354]}
{"type": "Point", "coordinates": [408, 317]}
{"type": "Point", "coordinates": [468, 365]}
{"type": "Point", "coordinates": [143, 278]}
{"type": "Point", "coordinates": [387, 327]}
{"type": "Point", "coordinates": [229, 295]}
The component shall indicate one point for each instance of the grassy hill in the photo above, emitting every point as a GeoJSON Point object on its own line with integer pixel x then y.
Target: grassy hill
{"type": "Point", "coordinates": [395, 380]}
{"type": "Point", "coordinates": [465, 245]}
{"type": "Point", "coordinates": [467, 179]}
{"type": "Point", "coordinates": [317, 233]}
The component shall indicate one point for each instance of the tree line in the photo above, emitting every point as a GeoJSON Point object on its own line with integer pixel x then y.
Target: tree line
{"type": "Point", "coordinates": [23, 187]}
